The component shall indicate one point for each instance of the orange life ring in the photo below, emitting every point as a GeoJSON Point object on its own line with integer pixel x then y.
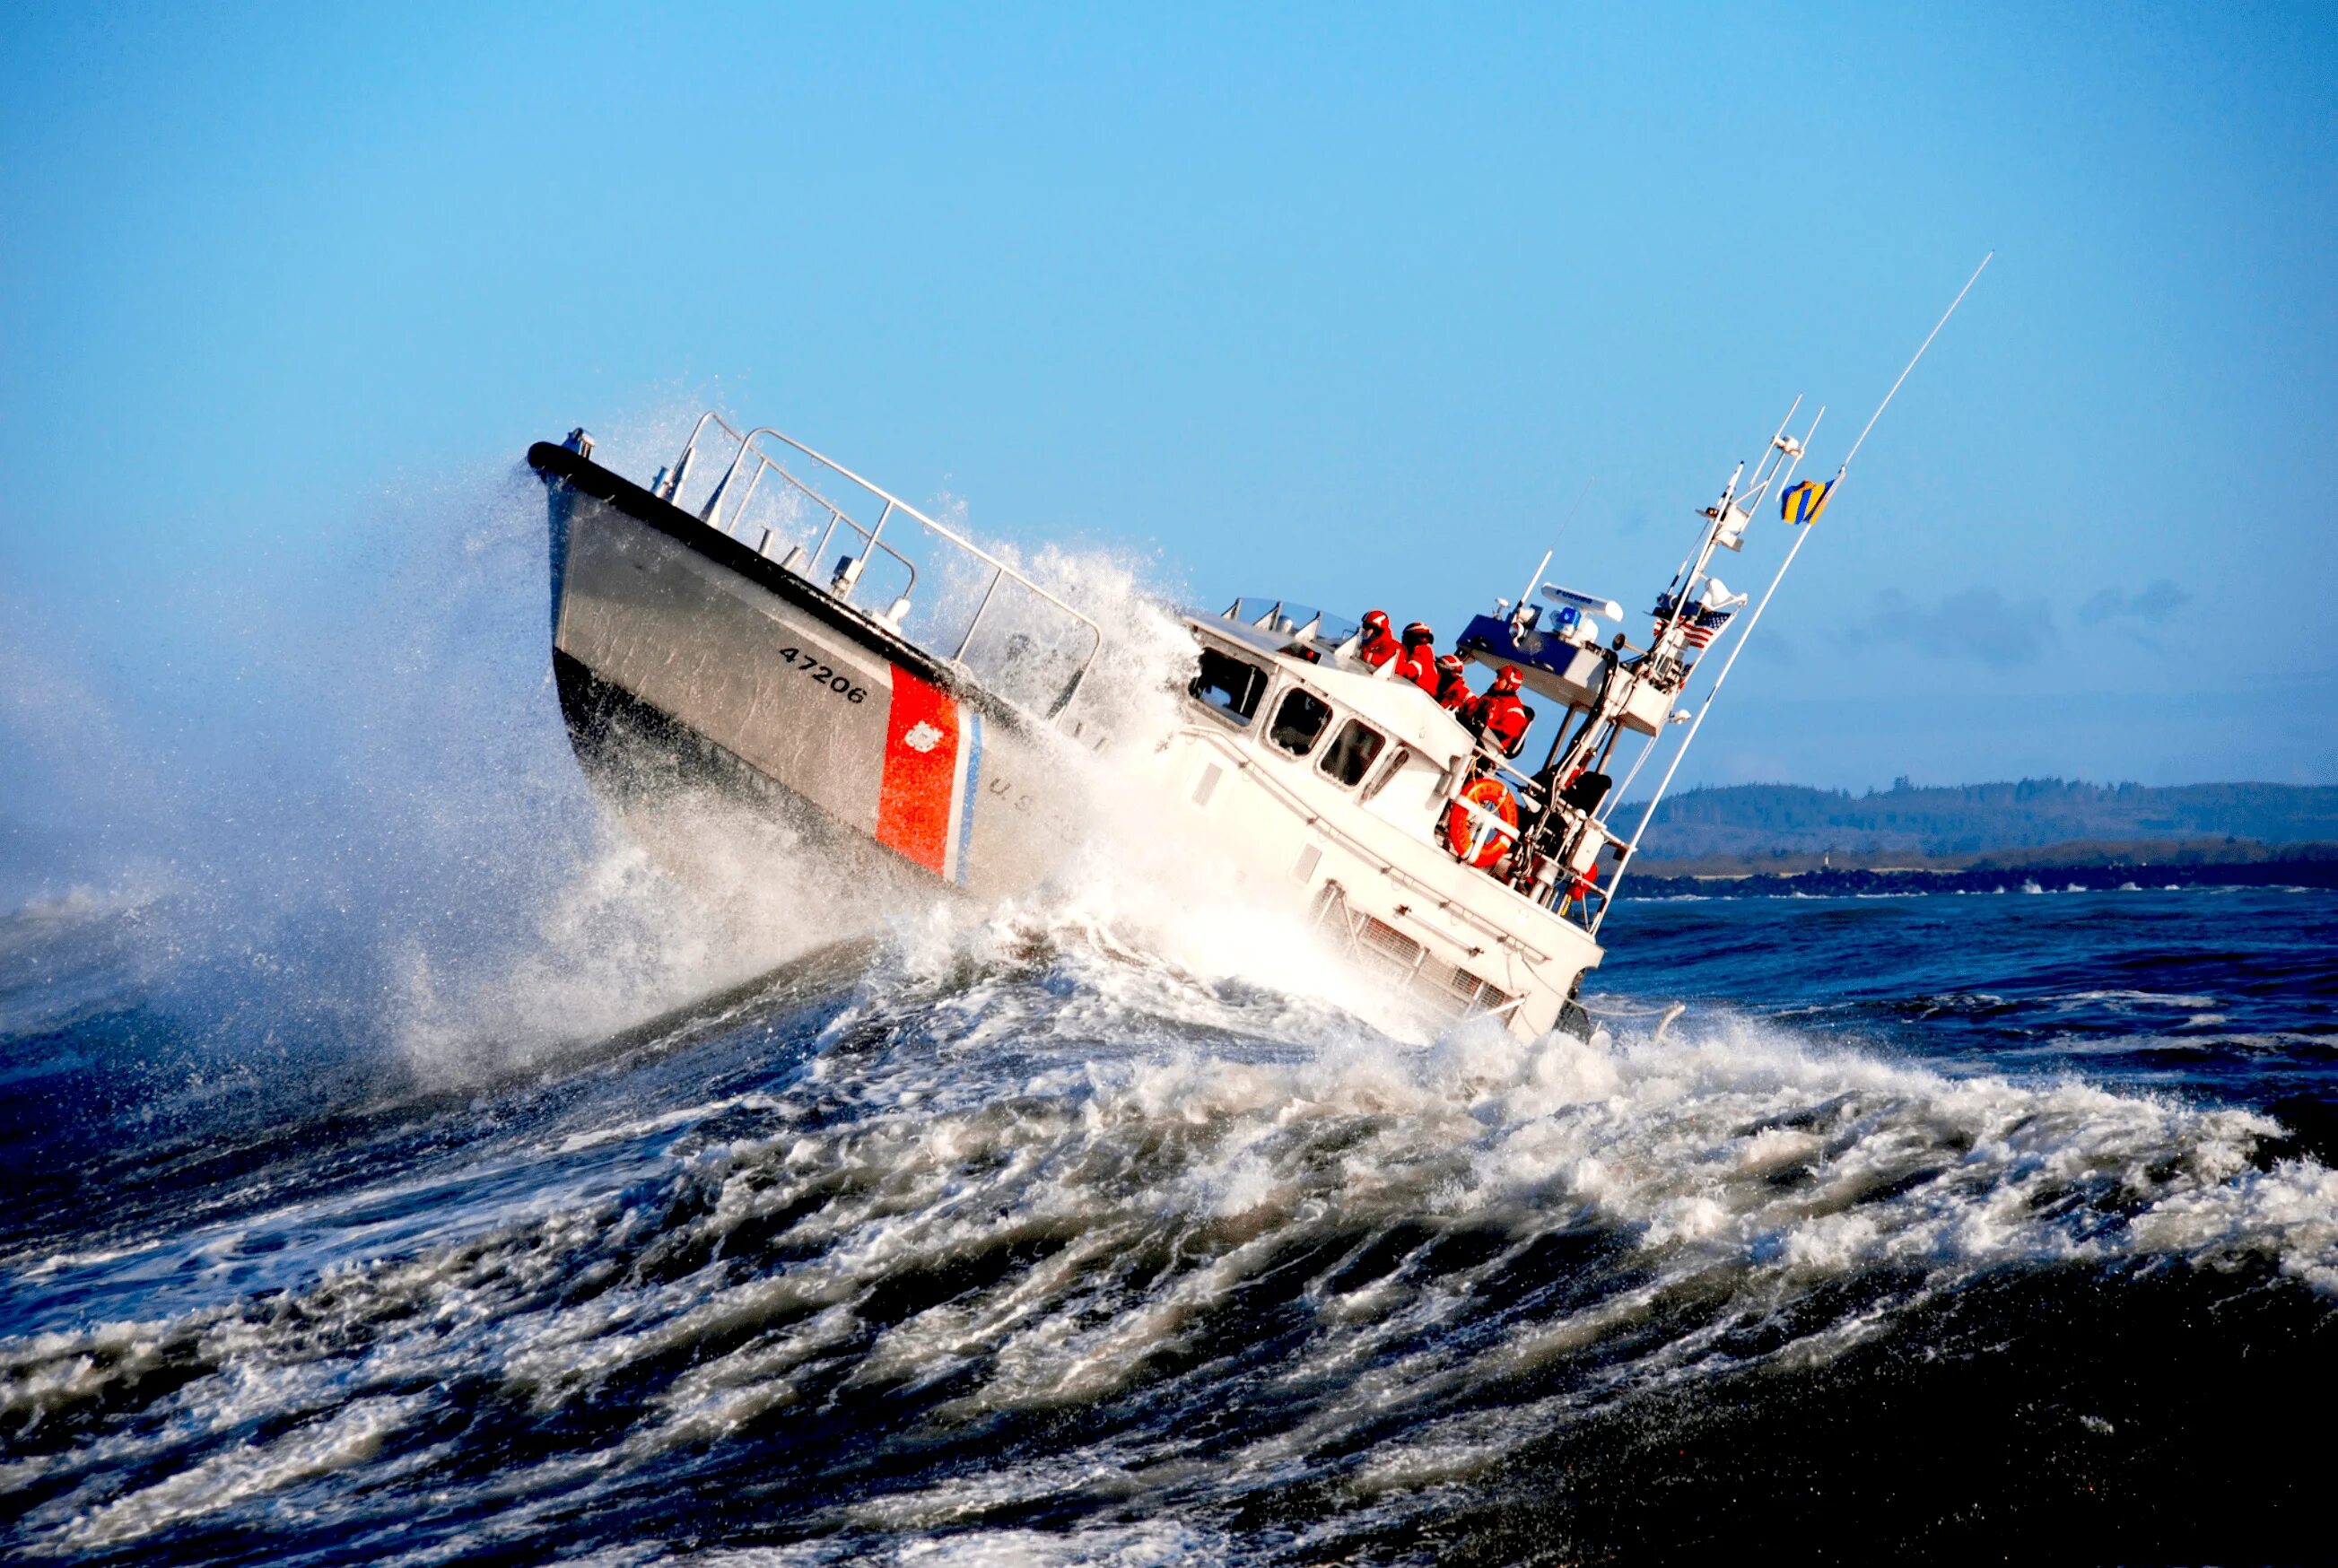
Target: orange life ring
{"type": "Point", "coordinates": [1471, 838]}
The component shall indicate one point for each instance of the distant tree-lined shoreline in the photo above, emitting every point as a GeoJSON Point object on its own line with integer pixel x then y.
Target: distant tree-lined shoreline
{"type": "Point", "coordinates": [1786, 828]}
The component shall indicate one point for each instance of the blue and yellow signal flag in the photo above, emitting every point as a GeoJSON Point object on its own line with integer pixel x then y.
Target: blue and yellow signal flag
{"type": "Point", "coordinates": [1802, 503]}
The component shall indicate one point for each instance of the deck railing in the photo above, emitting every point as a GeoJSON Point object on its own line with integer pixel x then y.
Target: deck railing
{"type": "Point", "coordinates": [975, 611]}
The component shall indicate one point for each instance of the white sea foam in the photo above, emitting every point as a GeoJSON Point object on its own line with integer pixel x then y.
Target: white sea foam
{"type": "Point", "coordinates": [351, 1436]}
{"type": "Point", "coordinates": [1158, 1144]}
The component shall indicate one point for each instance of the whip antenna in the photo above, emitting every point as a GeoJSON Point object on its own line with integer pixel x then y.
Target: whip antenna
{"type": "Point", "coordinates": [1927, 343]}
{"type": "Point", "coordinates": [1632, 846]}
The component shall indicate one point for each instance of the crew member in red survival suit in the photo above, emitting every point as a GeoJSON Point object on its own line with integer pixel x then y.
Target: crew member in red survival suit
{"type": "Point", "coordinates": [1498, 715]}
{"type": "Point", "coordinates": [1378, 646]}
{"type": "Point", "coordinates": [1452, 690]}
{"type": "Point", "coordinates": [1418, 663]}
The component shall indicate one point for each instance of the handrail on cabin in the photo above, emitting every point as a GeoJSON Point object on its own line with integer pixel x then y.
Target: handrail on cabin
{"type": "Point", "coordinates": [670, 489]}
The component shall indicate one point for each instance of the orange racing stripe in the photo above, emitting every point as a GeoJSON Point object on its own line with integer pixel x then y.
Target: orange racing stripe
{"type": "Point", "coordinates": [921, 742]}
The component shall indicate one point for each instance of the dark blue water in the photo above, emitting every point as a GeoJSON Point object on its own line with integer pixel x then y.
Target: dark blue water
{"type": "Point", "coordinates": [1937, 1228]}
{"type": "Point", "coordinates": [2223, 995]}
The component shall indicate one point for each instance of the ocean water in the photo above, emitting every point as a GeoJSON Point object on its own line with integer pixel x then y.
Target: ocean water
{"type": "Point", "coordinates": [403, 1167]}
{"type": "Point", "coordinates": [1934, 1226]}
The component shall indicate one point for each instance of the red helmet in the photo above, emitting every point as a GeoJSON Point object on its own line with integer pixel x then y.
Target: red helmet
{"type": "Point", "coordinates": [1510, 680]}
{"type": "Point", "coordinates": [1418, 632]}
{"type": "Point", "coordinates": [1376, 619]}
{"type": "Point", "coordinates": [1450, 665]}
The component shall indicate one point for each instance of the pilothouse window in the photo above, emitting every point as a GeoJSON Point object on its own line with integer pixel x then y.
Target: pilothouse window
{"type": "Point", "coordinates": [1231, 685]}
{"type": "Point", "coordinates": [1299, 721]}
{"type": "Point", "coordinates": [1351, 756]}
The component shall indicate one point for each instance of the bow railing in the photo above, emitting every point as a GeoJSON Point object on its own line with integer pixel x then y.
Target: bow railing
{"type": "Point", "coordinates": [968, 608]}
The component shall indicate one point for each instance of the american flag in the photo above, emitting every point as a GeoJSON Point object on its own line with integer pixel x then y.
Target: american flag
{"type": "Point", "coordinates": [1700, 626]}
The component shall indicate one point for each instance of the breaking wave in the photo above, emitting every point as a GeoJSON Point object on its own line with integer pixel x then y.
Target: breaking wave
{"type": "Point", "coordinates": [1016, 1227]}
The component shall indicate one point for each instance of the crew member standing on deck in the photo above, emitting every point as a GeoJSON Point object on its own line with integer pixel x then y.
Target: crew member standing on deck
{"type": "Point", "coordinates": [1498, 715]}
{"type": "Point", "coordinates": [1377, 646]}
{"type": "Point", "coordinates": [1452, 690]}
{"type": "Point", "coordinates": [1418, 662]}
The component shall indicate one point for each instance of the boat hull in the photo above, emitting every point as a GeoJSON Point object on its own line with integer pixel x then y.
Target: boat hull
{"type": "Point", "coordinates": [685, 659]}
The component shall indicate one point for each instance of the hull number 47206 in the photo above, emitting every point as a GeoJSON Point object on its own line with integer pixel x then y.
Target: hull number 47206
{"type": "Point", "coordinates": [826, 675]}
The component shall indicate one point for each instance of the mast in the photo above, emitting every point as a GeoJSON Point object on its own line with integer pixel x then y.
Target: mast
{"type": "Point", "coordinates": [1561, 836]}
{"type": "Point", "coordinates": [1733, 512]}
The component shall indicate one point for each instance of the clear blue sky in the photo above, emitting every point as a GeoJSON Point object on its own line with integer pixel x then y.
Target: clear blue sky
{"type": "Point", "coordinates": [1342, 303]}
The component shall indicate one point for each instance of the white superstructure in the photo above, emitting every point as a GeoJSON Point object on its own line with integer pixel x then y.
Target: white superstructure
{"type": "Point", "coordinates": [1339, 782]}
{"type": "Point", "coordinates": [1471, 883]}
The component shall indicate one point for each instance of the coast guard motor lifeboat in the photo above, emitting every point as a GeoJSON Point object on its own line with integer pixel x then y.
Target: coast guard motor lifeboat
{"type": "Point", "coordinates": [908, 696]}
